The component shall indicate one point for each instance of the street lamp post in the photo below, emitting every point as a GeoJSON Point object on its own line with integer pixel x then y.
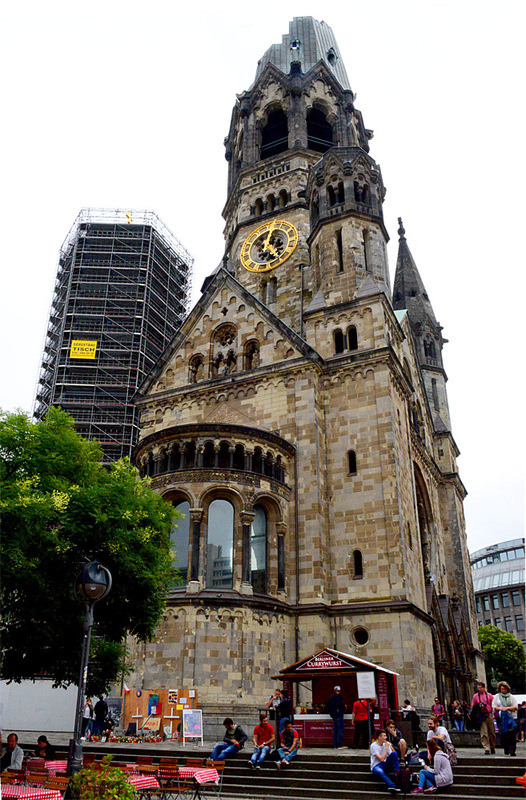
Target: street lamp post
{"type": "Point", "coordinates": [91, 585]}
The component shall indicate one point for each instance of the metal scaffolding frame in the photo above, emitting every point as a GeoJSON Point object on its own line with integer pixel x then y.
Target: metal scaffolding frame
{"type": "Point", "coordinates": [124, 281]}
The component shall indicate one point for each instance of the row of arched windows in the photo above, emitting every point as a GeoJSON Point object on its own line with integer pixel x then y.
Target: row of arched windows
{"type": "Point", "coordinates": [345, 340]}
{"type": "Point", "coordinates": [270, 203]}
{"type": "Point", "coordinates": [221, 544]}
{"type": "Point", "coordinates": [209, 455]}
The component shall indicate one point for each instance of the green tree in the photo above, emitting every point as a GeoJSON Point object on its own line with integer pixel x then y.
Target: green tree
{"type": "Point", "coordinates": [61, 508]}
{"type": "Point", "coordinates": [505, 657]}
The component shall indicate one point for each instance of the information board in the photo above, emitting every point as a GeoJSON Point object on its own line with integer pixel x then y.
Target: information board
{"type": "Point", "coordinates": [192, 724]}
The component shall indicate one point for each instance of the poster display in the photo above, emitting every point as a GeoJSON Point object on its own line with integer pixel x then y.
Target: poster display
{"type": "Point", "coordinates": [192, 724]}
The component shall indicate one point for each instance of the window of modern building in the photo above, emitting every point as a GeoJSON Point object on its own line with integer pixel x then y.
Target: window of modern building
{"type": "Point", "coordinates": [519, 622]}
{"type": "Point", "coordinates": [495, 600]}
{"type": "Point", "coordinates": [477, 601]}
{"type": "Point", "coordinates": [485, 602]}
{"type": "Point", "coordinates": [180, 538]}
{"type": "Point", "coordinates": [505, 600]}
{"type": "Point", "coordinates": [508, 624]}
{"type": "Point", "coordinates": [220, 549]}
{"type": "Point", "coordinates": [516, 598]}
{"type": "Point", "coordinates": [497, 622]}
{"type": "Point", "coordinates": [258, 550]}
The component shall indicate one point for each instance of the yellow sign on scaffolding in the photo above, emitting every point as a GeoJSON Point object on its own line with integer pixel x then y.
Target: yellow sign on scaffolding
{"type": "Point", "coordinates": [83, 349]}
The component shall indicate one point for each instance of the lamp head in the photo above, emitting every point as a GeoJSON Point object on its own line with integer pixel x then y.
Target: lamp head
{"type": "Point", "coordinates": [92, 583]}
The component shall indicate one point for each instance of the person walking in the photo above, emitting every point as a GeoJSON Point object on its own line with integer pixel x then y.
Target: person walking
{"type": "Point", "coordinates": [336, 710]}
{"type": "Point", "coordinates": [481, 717]}
{"type": "Point", "coordinates": [87, 719]}
{"type": "Point", "coordinates": [505, 705]}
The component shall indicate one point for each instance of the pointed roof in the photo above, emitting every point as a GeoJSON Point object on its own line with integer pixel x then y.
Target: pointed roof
{"type": "Point", "coordinates": [308, 41]}
{"type": "Point", "coordinates": [409, 291]}
{"type": "Point", "coordinates": [368, 287]}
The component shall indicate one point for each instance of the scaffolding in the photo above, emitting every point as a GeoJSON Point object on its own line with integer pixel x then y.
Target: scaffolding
{"type": "Point", "coordinates": [123, 282]}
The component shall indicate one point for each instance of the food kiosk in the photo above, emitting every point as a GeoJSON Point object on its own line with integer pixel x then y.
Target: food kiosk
{"type": "Point", "coordinates": [317, 675]}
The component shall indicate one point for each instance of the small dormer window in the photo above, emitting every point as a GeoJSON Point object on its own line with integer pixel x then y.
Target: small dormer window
{"type": "Point", "coordinates": [295, 44]}
{"type": "Point", "coordinates": [332, 57]}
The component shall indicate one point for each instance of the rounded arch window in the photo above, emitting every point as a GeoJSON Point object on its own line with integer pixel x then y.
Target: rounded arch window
{"type": "Point", "coordinates": [258, 550]}
{"type": "Point", "coordinates": [360, 636]}
{"type": "Point", "coordinates": [220, 544]}
{"type": "Point", "coordinates": [180, 539]}
{"type": "Point", "coordinates": [357, 564]}
{"type": "Point", "coordinates": [352, 338]}
{"type": "Point", "coordinates": [339, 341]}
{"type": "Point", "coordinates": [319, 131]}
{"type": "Point", "coordinates": [275, 134]}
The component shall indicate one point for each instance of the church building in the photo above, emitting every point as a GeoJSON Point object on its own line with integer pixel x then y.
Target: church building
{"type": "Point", "coordinates": [299, 420]}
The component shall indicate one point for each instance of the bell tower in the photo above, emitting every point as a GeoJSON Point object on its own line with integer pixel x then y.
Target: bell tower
{"type": "Point", "coordinates": [304, 205]}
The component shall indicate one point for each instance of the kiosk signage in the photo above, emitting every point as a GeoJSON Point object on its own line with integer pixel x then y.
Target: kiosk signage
{"type": "Point", "coordinates": [192, 724]}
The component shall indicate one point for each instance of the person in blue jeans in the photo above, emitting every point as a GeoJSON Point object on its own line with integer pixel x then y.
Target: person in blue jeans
{"type": "Point", "coordinates": [289, 745]}
{"type": "Point", "coordinates": [440, 774]}
{"type": "Point", "coordinates": [336, 710]}
{"type": "Point", "coordinates": [384, 759]}
{"type": "Point", "coordinates": [233, 741]}
{"type": "Point", "coordinates": [263, 740]}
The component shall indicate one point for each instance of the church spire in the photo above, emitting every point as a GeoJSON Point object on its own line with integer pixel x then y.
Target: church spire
{"type": "Point", "coordinates": [410, 293]}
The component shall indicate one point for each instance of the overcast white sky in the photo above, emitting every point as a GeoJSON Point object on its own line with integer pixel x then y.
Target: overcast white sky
{"type": "Point", "coordinates": [125, 105]}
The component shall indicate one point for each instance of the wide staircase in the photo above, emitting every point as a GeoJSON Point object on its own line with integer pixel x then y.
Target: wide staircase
{"type": "Point", "coordinates": [348, 777]}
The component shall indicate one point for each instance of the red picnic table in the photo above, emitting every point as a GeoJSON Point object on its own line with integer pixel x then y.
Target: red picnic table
{"type": "Point", "coordinates": [52, 767]}
{"type": "Point", "coordinates": [30, 792]}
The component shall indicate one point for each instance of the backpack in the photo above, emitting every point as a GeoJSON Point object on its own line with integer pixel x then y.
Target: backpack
{"type": "Point", "coordinates": [403, 780]}
{"type": "Point", "coordinates": [449, 750]}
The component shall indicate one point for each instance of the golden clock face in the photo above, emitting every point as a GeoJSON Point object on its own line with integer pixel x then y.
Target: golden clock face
{"type": "Point", "coordinates": [269, 246]}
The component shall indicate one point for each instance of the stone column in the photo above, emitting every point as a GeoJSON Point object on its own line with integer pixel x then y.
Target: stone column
{"type": "Point", "coordinates": [196, 517]}
{"type": "Point", "coordinates": [281, 529]}
{"type": "Point", "coordinates": [247, 518]}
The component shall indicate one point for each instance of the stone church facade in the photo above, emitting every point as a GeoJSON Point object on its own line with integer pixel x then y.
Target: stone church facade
{"type": "Point", "coordinates": [299, 420]}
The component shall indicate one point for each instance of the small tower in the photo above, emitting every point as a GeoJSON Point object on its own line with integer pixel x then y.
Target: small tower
{"type": "Point", "coordinates": [409, 293]}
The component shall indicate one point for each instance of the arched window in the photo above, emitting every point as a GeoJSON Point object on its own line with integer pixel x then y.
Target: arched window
{"type": "Point", "coordinates": [259, 207]}
{"type": "Point", "coordinates": [151, 466]}
{"type": "Point", "coordinates": [220, 545]}
{"type": "Point", "coordinates": [223, 459]}
{"type": "Point", "coordinates": [339, 249]}
{"type": "Point", "coordinates": [340, 192]}
{"type": "Point", "coordinates": [258, 550]}
{"type": "Point", "coordinates": [252, 354]}
{"type": "Point", "coordinates": [357, 564]}
{"type": "Point", "coordinates": [269, 464]}
{"type": "Point", "coordinates": [209, 455]}
{"type": "Point", "coordinates": [189, 454]}
{"type": "Point", "coordinates": [275, 134]}
{"type": "Point", "coordinates": [257, 460]}
{"type": "Point", "coordinates": [272, 290]}
{"type": "Point", "coordinates": [180, 538]}
{"type": "Point", "coordinates": [339, 341]}
{"type": "Point", "coordinates": [196, 368]}
{"type": "Point", "coordinates": [351, 462]}
{"type": "Point", "coordinates": [352, 338]}
{"type": "Point", "coordinates": [238, 461]}
{"type": "Point", "coordinates": [271, 202]}
{"type": "Point", "coordinates": [315, 211]}
{"type": "Point", "coordinates": [331, 196]}
{"type": "Point", "coordinates": [434, 389]}
{"type": "Point", "coordinates": [319, 131]}
{"type": "Point", "coordinates": [283, 198]}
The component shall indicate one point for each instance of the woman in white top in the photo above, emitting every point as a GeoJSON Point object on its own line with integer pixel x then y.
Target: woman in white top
{"type": "Point", "coordinates": [505, 706]}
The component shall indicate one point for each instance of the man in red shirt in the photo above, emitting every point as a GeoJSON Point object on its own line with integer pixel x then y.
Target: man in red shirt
{"type": "Point", "coordinates": [360, 717]}
{"type": "Point", "coordinates": [481, 713]}
{"type": "Point", "coordinates": [263, 739]}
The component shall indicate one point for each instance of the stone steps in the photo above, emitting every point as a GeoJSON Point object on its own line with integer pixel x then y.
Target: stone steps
{"type": "Point", "coordinates": [349, 778]}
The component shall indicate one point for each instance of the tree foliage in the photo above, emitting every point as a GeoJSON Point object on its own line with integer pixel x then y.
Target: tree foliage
{"type": "Point", "coordinates": [61, 508]}
{"type": "Point", "coordinates": [505, 657]}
